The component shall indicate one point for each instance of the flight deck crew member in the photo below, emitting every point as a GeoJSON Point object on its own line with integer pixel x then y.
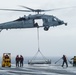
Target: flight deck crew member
{"type": "Point", "coordinates": [64, 61]}
{"type": "Point", "coordinates": [17, 61]}
{"type": "Point", "coordinates": [21, 61]}
{"type": "Point", "coordinates": [74, 60]}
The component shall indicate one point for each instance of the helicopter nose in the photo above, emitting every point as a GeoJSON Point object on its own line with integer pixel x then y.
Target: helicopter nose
{"type": "Point", "coordinates": [62, 22]}
{"type": "Point", "coordinates": [65, 24]}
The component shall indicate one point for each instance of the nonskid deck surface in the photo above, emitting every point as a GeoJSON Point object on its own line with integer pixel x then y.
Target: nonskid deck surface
{"type": "Point", "coordinates": [38, 70]}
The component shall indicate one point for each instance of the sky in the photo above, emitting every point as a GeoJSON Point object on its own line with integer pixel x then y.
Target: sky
{"type": "Point", "coordinates": [54, 42]}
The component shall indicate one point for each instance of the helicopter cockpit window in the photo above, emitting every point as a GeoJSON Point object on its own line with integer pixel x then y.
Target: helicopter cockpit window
{"type": "Point", "coordinates": [21, 19]}
{"type": "Point", "coordinates": [54, 19]}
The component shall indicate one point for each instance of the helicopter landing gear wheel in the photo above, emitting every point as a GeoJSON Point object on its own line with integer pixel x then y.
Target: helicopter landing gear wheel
{"type": "Point", "coordinates": [46, 28]}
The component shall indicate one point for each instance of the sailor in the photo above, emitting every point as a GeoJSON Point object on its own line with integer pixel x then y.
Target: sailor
{"type": "Point", "coordinates": [74, 60]}
{"type": "Point", "coordinates": [64, 61]}
{"type": "Point", "coordinates": [36, 24]}
{"type": "Point", "coordinates": [17, 61]}
{"type": "Point", "coordinates": [21, 61]}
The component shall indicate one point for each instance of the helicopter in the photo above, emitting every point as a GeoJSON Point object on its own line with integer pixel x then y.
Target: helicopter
{"type": "Point", "coordinates": [29, 21]}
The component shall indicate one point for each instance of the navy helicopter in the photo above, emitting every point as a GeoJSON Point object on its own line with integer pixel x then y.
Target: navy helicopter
{"type": "Point", "coordinates": [29, 21]}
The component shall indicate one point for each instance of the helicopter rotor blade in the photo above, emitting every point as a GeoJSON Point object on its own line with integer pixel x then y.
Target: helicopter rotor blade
{"type": "Point", "coordinates": [27, 8]}
{"type": "Point", "coordinates": [40, 10]}
{"type": "Point", "coordinates": [62, 8]}
{"type": "Point", "coordinates": [34, 10]}
{"type": "Point", "coordinates": [45, 10]}
{"type": "Point", "coordinates": [15, 10]}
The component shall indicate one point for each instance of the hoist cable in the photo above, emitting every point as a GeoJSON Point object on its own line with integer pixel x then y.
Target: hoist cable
{"type": "Point", "coordinates": [38, 47]}
{"type": "Point", "coordinates": [38, 38]}
{"type": "Point", "coordinates": [39, 44]}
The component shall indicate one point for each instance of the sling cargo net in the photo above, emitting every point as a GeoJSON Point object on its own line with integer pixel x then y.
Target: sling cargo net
{"type": "Point", "coordinates": [38, 60]}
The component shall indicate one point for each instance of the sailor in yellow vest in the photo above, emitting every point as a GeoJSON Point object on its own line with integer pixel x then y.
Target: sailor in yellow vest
{"type": "Point", "coordinates": [6, 60]}
{"type": "Point", "coordinates": [74, 60]}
